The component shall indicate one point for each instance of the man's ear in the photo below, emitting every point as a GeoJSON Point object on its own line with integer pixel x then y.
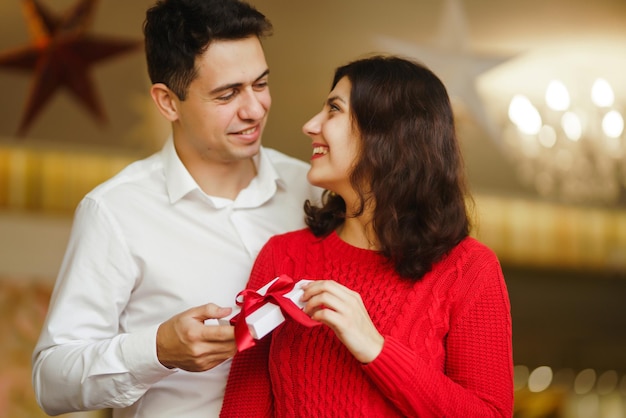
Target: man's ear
{"type": "Point", "coordinates": [165, 100]}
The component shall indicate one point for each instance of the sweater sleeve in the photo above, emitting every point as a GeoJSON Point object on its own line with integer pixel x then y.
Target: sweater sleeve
{"type": "Point", "coordinates": [478, 377]}
{"type": "Point", "coordinates": [248, 390]}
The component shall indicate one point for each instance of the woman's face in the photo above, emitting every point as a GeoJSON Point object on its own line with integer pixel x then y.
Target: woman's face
{"type": "Point", "coordinates": [335, 144]}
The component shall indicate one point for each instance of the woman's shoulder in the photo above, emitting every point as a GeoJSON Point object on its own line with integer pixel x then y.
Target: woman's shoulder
{"type": "Point", "coordinates": [478, 275]}
{"type": "Point", "coordinates": [469, 260]}
{"type": "Point", "coordinates": [470, 248]}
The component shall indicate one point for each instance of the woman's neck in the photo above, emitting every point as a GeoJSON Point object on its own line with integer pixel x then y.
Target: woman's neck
{"type": "Point", "coordinates": [359, 232]}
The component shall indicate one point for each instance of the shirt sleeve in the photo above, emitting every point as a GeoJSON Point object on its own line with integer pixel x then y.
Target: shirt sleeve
{"type": "Point", "coordinates": [249, 390]}
{"type": "Point", "coordinates": [478, 362]}
{"type": "Point", "coordinates": [82, 361]}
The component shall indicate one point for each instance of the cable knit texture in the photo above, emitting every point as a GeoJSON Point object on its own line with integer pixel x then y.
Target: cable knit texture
{"type": "Point", "coordinates": [447, 350]}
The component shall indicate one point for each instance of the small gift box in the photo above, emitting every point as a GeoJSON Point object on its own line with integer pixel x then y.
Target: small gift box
{"type": "Point", "coordinates": [265, 309]}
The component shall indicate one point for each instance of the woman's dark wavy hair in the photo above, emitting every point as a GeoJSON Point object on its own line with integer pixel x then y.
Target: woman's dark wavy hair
{"type": "Point", "coordinates": [177, 31]}
{"type": "Point", "coordinates": [410, 164]}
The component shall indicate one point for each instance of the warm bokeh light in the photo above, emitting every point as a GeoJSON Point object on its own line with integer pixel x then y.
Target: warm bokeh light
{"type": "Point", "coordinates": [572, 126]}
{"type": "Point", "coordinates": [547, 136]}
{"type": "Point", "coordinates": [584, 382]}
{"type": "Point", "coordinates": [586, 394]}
{"type": "Point", "coordinates": [613, 124]}
{"type": "Point", "coordinates": [572, 147]}
{"type": "Point", "coordinates": [607, 382]}
{"type": "Point", "coordinates": [540, 379]}
{"type": "Point", "coordinates": [602, 93]}
{"type": "Point", "coordinates": [524, 115]}
{"type": "Point", "coordinates": [557, 96]}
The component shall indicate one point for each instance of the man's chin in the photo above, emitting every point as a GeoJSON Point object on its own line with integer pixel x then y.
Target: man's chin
{"type": "Point", "coordinates": [249, 150]}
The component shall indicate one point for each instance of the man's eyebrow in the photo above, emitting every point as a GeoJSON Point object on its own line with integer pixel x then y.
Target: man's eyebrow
{"type": "Point", "coordinates": [235, 85]}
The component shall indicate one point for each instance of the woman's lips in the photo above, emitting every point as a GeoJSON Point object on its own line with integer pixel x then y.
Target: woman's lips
{"type": "Point", "coordinates": [319, 150]}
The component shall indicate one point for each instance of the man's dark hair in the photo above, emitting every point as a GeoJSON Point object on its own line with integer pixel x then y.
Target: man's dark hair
{"type": "Point", "coordinates": [178, 31]}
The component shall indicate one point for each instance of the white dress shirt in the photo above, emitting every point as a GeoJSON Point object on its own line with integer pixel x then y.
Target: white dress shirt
{"type": "Point", "coordinates": [146, 245]}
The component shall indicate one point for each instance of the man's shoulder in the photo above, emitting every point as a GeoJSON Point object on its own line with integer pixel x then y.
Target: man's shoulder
{"type": "Point", "coordinates": [134, 173]}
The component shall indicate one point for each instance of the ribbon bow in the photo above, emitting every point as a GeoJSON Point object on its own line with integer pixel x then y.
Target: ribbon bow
{"type": "Point", "coordinates": [250, 301]}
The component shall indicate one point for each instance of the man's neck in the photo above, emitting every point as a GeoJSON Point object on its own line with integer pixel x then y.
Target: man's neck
{"type": "Point", "coordinates": [224, 180]}
{"type": "Point", "coordinates": [219, 178]}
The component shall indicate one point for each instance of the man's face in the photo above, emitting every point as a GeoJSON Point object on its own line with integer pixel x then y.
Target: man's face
{"type": "Point", "coordinates": [227, 104]}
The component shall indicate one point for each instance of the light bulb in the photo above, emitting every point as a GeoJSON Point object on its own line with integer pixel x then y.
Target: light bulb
{"type": "Point", "coordinates": [557, 96]}
{"type": "Point", "coordinates": [524, 115]}
{"type": "Point", "coordinates": [613, 124]}
{"type": "Point", "coordinates": [602, 93]}
{"type": "Point", "coordinates": [571, 124]}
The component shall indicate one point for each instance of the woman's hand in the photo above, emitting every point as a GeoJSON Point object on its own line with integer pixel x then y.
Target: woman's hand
{"type": "Point", "coordinates": [343, 311]}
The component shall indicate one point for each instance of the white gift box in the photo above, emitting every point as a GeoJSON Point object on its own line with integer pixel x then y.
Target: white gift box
{"type": "Point", "coordinates": [262, 321]}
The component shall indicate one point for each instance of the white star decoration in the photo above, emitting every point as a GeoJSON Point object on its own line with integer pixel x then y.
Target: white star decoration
{"type": "Point", "coordinates": [449, 57]}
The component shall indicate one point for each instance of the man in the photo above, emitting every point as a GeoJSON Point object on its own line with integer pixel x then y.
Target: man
{"type": "Point", "coordinates": [153, 245]}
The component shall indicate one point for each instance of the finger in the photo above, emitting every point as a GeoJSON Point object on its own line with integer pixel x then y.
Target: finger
{"type": "Point", "coordinates": [209, 356]}
{"type": "Point", "coordinates": [210, 347]}
{"type": "Point", "coordinates": [329, 317]}
{"type": "Point", "coordinates": [216, 360]}
{"type": "Point", "coordinates": [209, 311]}
{"type": "Point", "coordinates": [333, 288]}
{"type": "Point", "coordinates": [219, 349]}
{"type": "Point", "coordinates": [218, 333]}
{"type": "Point", "coordinates": [321, 286]}
{"type": "Point", "coordinates": [326, 300]}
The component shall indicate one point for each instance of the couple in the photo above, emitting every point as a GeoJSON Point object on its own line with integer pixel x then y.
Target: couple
{"type": "Point", "coordinates": [414, 313]}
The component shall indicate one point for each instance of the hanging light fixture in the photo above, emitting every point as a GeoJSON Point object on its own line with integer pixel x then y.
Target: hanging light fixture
{"type": "Point", "coordinates": [569, 149]}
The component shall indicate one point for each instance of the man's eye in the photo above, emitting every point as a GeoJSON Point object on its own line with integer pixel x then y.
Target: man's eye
{"type": "Point", "coordinates": [260, 85]}
{"type": "Point", "coordinates": [227, 97]}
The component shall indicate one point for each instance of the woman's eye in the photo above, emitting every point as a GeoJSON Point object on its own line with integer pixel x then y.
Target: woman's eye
{"type": "Point", "coordinates": [333, 108]}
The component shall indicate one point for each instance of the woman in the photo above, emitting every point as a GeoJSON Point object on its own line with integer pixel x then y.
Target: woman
{"type": "Point", "coordinates": [414, 312]}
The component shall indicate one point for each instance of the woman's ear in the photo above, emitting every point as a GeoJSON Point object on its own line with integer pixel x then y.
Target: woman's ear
{"type": "Point", "coordinates": [165, 100]}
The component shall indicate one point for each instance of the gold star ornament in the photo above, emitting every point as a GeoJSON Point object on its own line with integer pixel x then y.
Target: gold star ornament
{"type": "Point", "coordinates": [61, 55]}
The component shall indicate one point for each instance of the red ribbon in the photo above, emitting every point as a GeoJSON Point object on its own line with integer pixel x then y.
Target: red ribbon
{"type": "Point", "coordinates": [253, 301]}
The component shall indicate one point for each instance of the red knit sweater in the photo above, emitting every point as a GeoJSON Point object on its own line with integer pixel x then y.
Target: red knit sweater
{"type": "Point", "coordinates": [447, 349]}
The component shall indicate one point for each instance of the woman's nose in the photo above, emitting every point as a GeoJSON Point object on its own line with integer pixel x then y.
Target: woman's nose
{"type": "Point", "coordinates": [312, 127]}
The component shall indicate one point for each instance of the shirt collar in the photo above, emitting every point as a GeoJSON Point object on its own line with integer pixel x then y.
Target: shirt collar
{"type": "Point", "coordinates": [179, 182]}
{"type": "Point", "coordinates": [177, 179]}
{"type": "Point", "coordinates": [262, 187]}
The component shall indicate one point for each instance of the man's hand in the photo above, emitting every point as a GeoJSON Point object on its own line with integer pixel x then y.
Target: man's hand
{"type": "Point", "coordinates": [184, 342]}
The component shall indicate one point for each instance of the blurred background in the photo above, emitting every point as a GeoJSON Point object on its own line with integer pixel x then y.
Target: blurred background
{"type": "Point", "coordinates": [538, 88]}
